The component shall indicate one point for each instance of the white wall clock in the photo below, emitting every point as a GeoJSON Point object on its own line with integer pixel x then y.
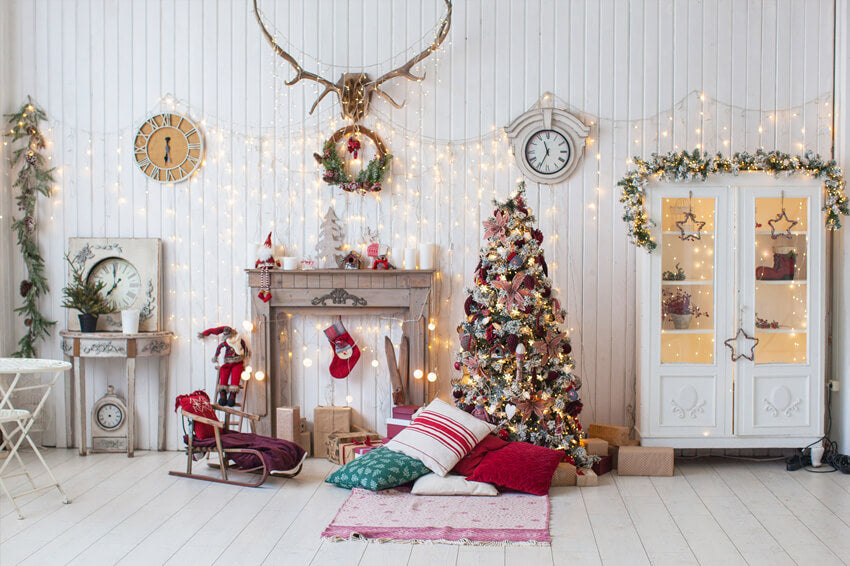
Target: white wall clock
{"type": "Point", "coordinates": [131, 271]}
{"type": "Point", "coordinates": [547, 142]}
{"type": "Point", "coordinates": [168, 148]}
{"type": "Point", "coordinates": [109, 423]}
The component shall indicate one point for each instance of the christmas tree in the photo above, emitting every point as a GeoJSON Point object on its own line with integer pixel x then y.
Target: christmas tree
{"type": "Point", "coordinates": [329, 248]}
{"type": "Point", "coordinates": [515, 358]}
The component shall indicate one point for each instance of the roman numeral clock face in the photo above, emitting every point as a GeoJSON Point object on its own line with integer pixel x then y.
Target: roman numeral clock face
{"type": "Point", "coordinates": [121, 281]}
{"type": "Point", "coordinates": [547, 152]}
{"type": "Point", "coordinates": [168, 148]}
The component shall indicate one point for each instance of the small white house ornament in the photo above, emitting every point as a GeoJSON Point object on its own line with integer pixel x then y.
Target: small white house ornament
{"type": "Point", "coordinates": [547, 142]}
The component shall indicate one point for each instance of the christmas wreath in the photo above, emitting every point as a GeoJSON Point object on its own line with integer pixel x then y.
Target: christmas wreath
{"type": "Point", "coordinates": [370, 178]}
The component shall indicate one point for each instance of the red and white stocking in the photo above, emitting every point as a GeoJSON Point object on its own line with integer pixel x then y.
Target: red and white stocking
{"type": "Point", "coordinates": [346, 352]}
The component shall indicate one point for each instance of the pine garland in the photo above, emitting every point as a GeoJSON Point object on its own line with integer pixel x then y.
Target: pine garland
{"type": "Point", "coordinates": [367, 181]}
{"type": "Point", "coordinates": [686, 166]}
{"type": "Point", "coordinates": [33, 178]}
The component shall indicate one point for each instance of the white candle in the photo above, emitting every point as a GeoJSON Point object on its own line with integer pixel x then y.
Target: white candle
{"type": "Point", "coordinates": [290, 263]}
{"type": "Point", "coordinates": [427, 256]}
{"type": "Point", "coordinates": [410, 258]}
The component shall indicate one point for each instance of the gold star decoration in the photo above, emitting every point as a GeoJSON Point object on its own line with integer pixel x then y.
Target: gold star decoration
{"type": "Point", "coordinates": [690, 227]}
{"type": "Point", "coordinates": [731, 343]}
{"type": "Point", "coordinates": [784, 233]}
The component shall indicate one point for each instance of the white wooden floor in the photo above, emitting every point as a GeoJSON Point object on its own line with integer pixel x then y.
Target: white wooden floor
{"type": "Point", "coordinates": [130, 511]}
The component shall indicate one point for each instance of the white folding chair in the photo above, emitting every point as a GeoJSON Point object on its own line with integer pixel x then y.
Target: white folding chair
{"type": "Point", "coordinates": [23, 421]}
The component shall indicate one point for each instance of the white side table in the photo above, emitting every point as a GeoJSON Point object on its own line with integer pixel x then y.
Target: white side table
{"type": "Point", "coordinates": [80, 345]}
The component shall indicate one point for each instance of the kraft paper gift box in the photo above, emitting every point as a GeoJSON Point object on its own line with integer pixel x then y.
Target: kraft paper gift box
{"type": "Point", "coordinates": [612, 454]}
{"type": "Point", "coordinates": [614, 435]}
{"type": "Point", "coordinates": [337, 441]}
{"type": "Point", "coordinates": [645, 461]}
{"type": "Point", "coordinates": [304, 442]}
{"type": "Point", "coordinates": [303, 425]}
{"type": "Point", "coordinates": [327, 420]}
{"type": "Point", "coordinates": [565, 475]}
{"type": "Point", "coordinates": [596, 446]}
{"type": "Point", "coordinates": [349, 450]}
{"type": "Point", "coordinates": [586, 478]}
{"type": "Point", "coordinates": [363, 449]}
{"type": "Point", "coordinates": [288, 423]}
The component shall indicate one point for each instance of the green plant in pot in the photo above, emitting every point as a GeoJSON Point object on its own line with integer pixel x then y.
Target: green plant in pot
{"type": "Point", "coordinates": [86, 297]}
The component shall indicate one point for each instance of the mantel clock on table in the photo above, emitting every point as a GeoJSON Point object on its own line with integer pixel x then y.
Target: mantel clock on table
{"type": "Point", "coordinates": [131, 268]}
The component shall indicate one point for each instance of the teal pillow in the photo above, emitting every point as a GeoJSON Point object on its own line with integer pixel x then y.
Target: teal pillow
{"type": "Point", "coordinates": [378, 469]}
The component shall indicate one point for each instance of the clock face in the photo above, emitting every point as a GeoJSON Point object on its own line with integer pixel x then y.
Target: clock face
{"type": "Point", "coordinates": [168, 148]}
{"type": "Point", "coordinates": [547, 152]}
{"type": "Point", "coordinates": [121, 281]}
{"type": "Point", "coordinates": [110, 416]}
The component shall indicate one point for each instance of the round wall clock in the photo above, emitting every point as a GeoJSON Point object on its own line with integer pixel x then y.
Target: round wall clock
{"type": "Point", "coordinates": [121, 281]}
{"type": "Point", "coordinates": [168, 148]}
{"type": "Point", "coordinates": [547, 142]}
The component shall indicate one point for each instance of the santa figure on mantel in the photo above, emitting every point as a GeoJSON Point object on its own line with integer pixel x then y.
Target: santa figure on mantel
{"type": "Point", "coordinates": [265, 255]}
{"type": "Point", "coordinates": [232, 365]}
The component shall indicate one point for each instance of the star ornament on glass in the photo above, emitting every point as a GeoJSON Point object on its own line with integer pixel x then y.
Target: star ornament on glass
{"type": "Point", "coordinates": [690, 227]}
{"type": "Point", "coordinates": [742, 337]}
{"type": "Point", "coordinates": [786, 233]}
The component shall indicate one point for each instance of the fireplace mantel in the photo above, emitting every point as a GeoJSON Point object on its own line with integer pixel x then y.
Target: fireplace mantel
{"type": "Point", "coordinates": [340, 292]}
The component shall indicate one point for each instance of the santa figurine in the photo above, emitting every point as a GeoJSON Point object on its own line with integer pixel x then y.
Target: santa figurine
{"type": "Point", "coordinates": [231, 366]}
{"type": "Point", "coordinates": [265, 255]}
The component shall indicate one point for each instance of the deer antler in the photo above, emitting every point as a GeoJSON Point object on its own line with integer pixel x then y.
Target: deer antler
{"type": "Point", "coordinates": [300, 73]}
{"type": "Point", "coordinates": [404, 70]}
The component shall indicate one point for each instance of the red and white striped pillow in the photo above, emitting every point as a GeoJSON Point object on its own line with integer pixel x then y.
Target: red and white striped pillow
{"type": "Point", "coordinates": [440, 436]}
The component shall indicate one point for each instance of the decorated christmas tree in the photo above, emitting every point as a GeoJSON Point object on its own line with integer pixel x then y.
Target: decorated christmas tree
{"type": "Point", "coordinates": [516, 363]}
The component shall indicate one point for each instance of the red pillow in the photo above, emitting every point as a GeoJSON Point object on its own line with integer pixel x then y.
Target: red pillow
{"type": "Point", "coordinates": [519, 466]}
{"type": "Point", "coordinates": [198, 403]}
{"type": "Point", "coordinates": [469, 462]}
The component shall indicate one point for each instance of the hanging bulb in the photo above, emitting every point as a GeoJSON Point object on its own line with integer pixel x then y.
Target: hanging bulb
{"type": "Point", "coordinates": [432, 377]}
{"type": "Point", "coordinates": [307, 362]}
{"type": "Point", "coordinates": [418, 374]}
{"type": "Point", "coordinates": [248, 325]}
{"type": "Point", "coordinates": [375, 363]}
{"type": "Point", "coordinates": [260, 375]}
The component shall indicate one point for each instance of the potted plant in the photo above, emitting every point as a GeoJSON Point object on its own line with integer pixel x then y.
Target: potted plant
{"type": "Point", "coordinates": [86, 297]}
{"type": "Point", "coordinates": [677, 306]}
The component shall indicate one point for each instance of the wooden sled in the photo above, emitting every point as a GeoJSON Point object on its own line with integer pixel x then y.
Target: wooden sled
{"type": "Point", "coordinates": [203, 449]}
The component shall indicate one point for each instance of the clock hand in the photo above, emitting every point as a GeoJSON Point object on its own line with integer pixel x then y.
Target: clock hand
{"type": "Point", "coordinates": [113, 287]}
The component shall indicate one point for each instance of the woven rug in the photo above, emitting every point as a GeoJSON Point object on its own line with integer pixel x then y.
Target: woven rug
{"type": "Point", "coordinates": [398, 516]}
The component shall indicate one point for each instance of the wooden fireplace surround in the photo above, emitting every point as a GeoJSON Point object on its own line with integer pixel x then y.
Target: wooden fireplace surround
{"type": "Point", "coordinates": [323, 292]}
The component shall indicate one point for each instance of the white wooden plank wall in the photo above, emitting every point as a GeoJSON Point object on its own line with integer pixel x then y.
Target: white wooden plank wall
{"type": "Point", "coordinates": [649, 75]}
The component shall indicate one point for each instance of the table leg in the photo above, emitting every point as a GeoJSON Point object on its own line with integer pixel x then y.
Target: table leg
{"type": "Point", "coordinates": [80, 391]}
{"type": "Point", "coordinates": [163, 392]}
{"type": "Point", "coordinates": [131, 406]}
{"type": "Point", "coordinates": [69, 404]}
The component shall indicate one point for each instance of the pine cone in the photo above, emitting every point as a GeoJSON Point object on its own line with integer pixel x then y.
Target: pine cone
{"type": "Point", "coordinates": [513, 342]}
{"type": "Point", "coordinates": [26, 287]}
{"type": "Point", "coordinates": [528, 282]}
{"type": "Point", "coordinates": [29, 224]}
{"type": "Point", "coordinates": [28, 322]}
{"type": "Point", "coordinates": [31, 158]}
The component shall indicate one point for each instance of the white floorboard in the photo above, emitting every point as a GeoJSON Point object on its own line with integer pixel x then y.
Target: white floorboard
{"type": "Point", "coordinates": [129, 511]}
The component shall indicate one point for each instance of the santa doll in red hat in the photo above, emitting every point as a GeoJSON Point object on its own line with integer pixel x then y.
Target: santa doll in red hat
{"type": "Point", "coordinates": [231, 366]}
{"type": "Point", "coordinates": [265, 255]}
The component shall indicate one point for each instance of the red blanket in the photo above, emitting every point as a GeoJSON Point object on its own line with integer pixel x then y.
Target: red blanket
{"type": "Point", "coordinates": [278, 454]}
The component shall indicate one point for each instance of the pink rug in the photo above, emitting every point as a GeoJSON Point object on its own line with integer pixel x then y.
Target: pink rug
{"type": "Point", "coordinates": [398, 516]}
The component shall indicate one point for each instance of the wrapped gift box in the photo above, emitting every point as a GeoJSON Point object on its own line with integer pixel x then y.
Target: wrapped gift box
{"type": "Point", "coordinates": [614, 435]}
{"type": "Point", "coordinates": [337, 441]}
{"type": "Point", "coordinates": [405, 411]}
{"type": "Point", "coordinates": [586, 478]}
{"type": "Point", "coordinates": [349, 450]}
{"type": "Point", "coordinates": [327, 420]}
{"type": "Point", "coordinates": [395, 426]}
{"type": "Point", "coordinates": [603, 466]}
{"type": "Point", "coordinates": [363, 449]}
{"type": "Point", "coordinates": [288, 423]}
{"type": "Point", "coordinates": [303, 425]}
{"type": "Point", "coordinates": [304, 442]}
{"type": "Point", "coordinates": [596, 446]}
{"type": "Point", "coordinates": [612, 454]}
{"type": "Point", "coordinates": [565, 475]}
{"type": "Point", "coordinates": [645, 461]}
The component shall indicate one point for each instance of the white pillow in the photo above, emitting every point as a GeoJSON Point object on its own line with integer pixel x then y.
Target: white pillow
{"type": "Point", "coordinates": [432, 484]}
{"type": "Point", "coordinates": [440, 436]}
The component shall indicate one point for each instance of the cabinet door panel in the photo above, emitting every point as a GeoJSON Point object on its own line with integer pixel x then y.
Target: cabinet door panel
{"type": "Point", "coordinates": [687, 405]}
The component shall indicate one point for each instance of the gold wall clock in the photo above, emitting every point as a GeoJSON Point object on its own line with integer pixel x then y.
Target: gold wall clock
{"type": "Point", "coordinates": [168, 148]}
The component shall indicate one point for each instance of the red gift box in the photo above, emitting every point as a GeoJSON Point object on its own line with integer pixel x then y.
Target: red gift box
{"type": "Point", "coordinates": [603, 466]}
{"type": "Point", "coordinates": [405, 412]}
{"type": "Point", "coordinates": [395, 426]}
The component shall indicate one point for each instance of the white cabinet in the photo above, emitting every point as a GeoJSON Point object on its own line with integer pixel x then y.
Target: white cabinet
{"type": "Point", "coordinates": [732, 273]}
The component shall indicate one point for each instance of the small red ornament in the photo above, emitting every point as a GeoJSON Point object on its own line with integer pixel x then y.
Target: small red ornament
{"type": "Point", "coordinates": [457, 393]}
{"type": "Point", "coordinates": [457, 367]}
{"type": "Point", "coordinates": [353, 146]}
{"type": "Point", "coordinates": [504, 434]}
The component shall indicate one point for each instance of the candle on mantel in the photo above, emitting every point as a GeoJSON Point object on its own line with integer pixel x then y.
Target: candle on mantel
{"type": "Point", "coordinates": [427, 256]}
{"type": "Point", "coordinates": [410, 258]}
{"type": "Point", "coordinates": [290, 263]}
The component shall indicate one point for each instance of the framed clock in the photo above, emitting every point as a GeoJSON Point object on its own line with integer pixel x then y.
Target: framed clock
{"type": "Point", "coordinates": [131, 271]}
{"type": "Point", "coordinates": [109, 423]}
{"type": "Point", "coordinates": [547, 142]}
{"type": "Point", "coordinates": [168, 148]}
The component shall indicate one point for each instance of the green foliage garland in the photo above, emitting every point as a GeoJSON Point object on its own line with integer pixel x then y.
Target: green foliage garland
{"type": "Point", "coordinates": [33, 178]}
{"type": "Point", "coordinates": [686, 166]}
{"type": "Point", "coordinates": [367, 181]}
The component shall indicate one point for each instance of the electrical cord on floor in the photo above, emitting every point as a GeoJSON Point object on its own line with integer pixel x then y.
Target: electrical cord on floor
{"type": "Point", "coordinates": [831, 456]}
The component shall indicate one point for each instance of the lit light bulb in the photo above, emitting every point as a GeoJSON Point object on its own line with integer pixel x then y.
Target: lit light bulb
{"type": "Point", "coordinates": [417, 374]}
{"type": "Point", "coordinates": [432, 377]}
{"type": "Point", "coordinates": [260, 375]}
{"type": "Point", "coordinates": [248, 325]}
{"type": "Point", "coordinates": [308, 362]}
{"type": "Point", "coordinates": [349, 399]}
{"type": "Point", "coordinates": [249, 369]}
{"type": "Point", "coordinates": [375, 363]}
{"type": "Point", "coordinates": [432, 326]}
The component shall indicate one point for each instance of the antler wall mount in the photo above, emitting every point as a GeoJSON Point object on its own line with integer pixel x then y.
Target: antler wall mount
{"type": "Point", "coordinates": [355, 90]}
